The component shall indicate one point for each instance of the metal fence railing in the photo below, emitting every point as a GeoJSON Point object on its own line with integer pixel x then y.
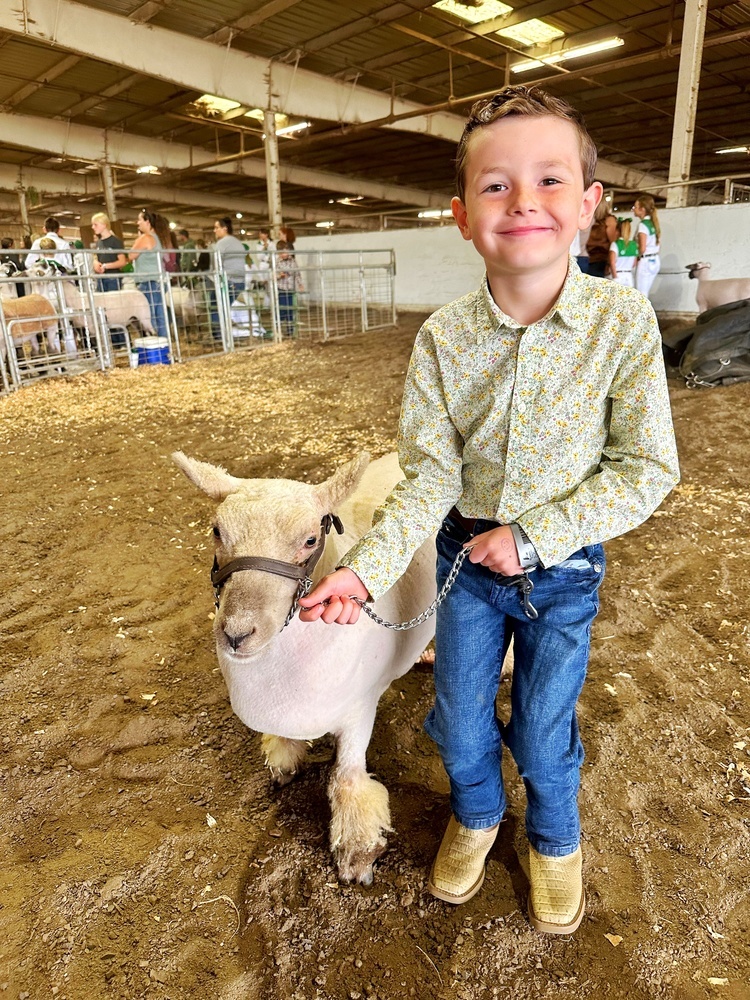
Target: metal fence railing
{"type": "Point", "coordinates": [55, 323]}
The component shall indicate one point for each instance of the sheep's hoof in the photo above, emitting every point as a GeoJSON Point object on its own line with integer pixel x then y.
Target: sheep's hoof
{"type": "Point", "coordinates": [356, 866]}
{"type": "Point", "coordinates": [281, 778]}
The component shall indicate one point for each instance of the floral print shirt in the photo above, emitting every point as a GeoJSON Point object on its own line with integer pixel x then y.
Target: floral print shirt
{"type": "Point", "coordinates": [563, 426]}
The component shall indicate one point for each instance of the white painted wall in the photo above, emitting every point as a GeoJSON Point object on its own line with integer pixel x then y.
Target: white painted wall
{"type": "Point", "coordinates": [435, 265]}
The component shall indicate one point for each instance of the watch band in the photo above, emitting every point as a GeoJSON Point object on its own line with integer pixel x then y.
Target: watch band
{"type": "Point", "coordinates": [527, 554]}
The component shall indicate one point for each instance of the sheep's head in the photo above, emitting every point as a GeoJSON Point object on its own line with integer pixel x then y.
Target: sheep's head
{"type": "Point", "coordinates": [693, 269]}
{"type": "Point", "coordinates": [272, 518]}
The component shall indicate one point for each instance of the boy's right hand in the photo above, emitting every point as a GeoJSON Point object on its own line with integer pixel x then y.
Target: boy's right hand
{"type": "Point", "coordinates": [329, 599]}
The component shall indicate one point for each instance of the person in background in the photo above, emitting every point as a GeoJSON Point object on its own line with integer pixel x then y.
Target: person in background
{"type": "Point", "coordinates": [231, 255]}
{"type": "Point", "coordinates": [287, 235]}
{"type": "Point", "coordinates": [648, 236]}
{"type": "Point", "coordinates": [603, 232]}
{"type": "Point", "coordinates": [623, 253]}
{"type": "Point", "coordinates": [144, 255]}
{"type": "Point", "coordinates": [51, 227]}
{"type": "Point", "coordinates": [47, 251]}
{"type": "Point", "coordinates": [535, 424]}
{"type": "Point", "coordinates": [287, 284]}
{"type": "Point", "coordinates": [110, 254]}
{"type": "Point", "coordinates": [12, 258]}
{"type": "Point", "coordinates": [187, 256]}
{"type": "Point", "coordinates": [203, 257]}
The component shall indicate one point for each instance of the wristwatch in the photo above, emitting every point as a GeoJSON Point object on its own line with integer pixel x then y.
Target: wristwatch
{"type": "Point", "coordinates": [527, 555]}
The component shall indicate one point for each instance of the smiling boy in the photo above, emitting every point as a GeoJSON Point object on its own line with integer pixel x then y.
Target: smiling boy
{"type": "Point", "coordinates": [535, 425]}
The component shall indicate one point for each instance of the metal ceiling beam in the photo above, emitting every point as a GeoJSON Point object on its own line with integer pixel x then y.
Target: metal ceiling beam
{"type": "Point", "coordinates": [48, 76]}
{"type": "Point", "coordinates": [228, 32]}
{"type": "Point", "coordinates": [80, 186]}
{"type": "Point", "coordinates": [123, 149]}
{"type": "Point", "coordinates": [204, 67]}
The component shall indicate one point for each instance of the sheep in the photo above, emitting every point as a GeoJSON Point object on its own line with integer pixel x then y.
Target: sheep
{"type": "Point", "coordinates": [38, 316]}
{"type": "Point", "coordinates": [717, 292]}
{"type": "Point", "coordinates": [119, 307]}
{"type": "Point", "coordinates": [185, 304]}
{"type": "Point", "coordinates": [297, 682]}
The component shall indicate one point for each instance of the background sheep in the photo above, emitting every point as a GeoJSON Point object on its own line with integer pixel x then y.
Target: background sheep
{"type": "Point", "coordinates": [299, 682]}
{"type": "Point", "coordinates": [719, 291]}
{"type": "Point", "coordinates": [119, 307]}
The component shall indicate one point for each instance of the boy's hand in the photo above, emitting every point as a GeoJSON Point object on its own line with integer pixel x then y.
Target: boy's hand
{"type": "Point", "coordinates": [496, 550]}
{"type": "Point", "coordinates": [334, 590]}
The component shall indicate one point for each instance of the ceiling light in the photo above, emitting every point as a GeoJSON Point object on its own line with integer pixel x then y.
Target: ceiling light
{"type": "Point", "coordinates": [238, 215]}
{"type": "Point", "coordinates": [483, 11]}
{"type": "Point", "coordinates": [565, 54]}
{"type": "Point", "coordinates": [350, 199]}
{"type": "Point", "coordinates": [173, 225]}
{"type": "Point", "coordinates": [435, 213]}
{"type": "Point", "coordinates": [289, 129]}
{"type": "Point", "coordinates": [533, 32]}
{"type": "Point", "coordinates": [734, 149]}
{"type": "Point", "coordinates": [212, 105]}
{"type": "Point", "coordinates": [148, 169]}
{"type": "Point", "coordinates": [324, 225]}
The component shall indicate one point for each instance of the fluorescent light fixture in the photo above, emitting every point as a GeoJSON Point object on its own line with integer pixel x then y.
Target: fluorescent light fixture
{"type": "Point", "coordinates": [350, 199]}
{"type": "Point", "coordinates": [435, 213]}
{"type": "Point", "coordinates": [148, 169]}
{"type": "Point", "coordinates": [216, 105]}
{"type": "Point", "coordinates": [290, 129]}
{"type": "Point", "coordinates": [565, 54]}
{"type": "Point", "coordinates": [324, 225]}
{"type": "Point", "coordinates": [173, 225]}
{"type": "Point", "coordinates": [734, 149]}
{"type": "Point", "coordinates": [532, 32]}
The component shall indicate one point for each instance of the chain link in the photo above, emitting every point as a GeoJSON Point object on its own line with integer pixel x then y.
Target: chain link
{"type": "Point", "coordinates": [428, 612]}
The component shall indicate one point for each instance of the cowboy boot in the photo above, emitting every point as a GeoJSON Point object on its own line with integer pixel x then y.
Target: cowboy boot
{"type": "Point", "coordinates": [458, 869]}
{"type": "Point", "coordinates": [556, 900]}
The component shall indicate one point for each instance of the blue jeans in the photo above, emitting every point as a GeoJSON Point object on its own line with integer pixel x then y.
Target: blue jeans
{"type": "Point", "coordinates": [474, 629]}
{"type": "Point", "coordinates": [108, 284]}
{"type": "Point", "coordinates": [287, 311]}
{"type": "Point", "coordinates": [153, 292]}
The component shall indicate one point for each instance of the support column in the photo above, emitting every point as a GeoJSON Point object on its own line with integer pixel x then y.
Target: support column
{"type": "Point", "coordinates": [688, 83]}
{"type": "Point", "coordinates": [273, 184]}
{"type": "Point", "coordinates": [108, 186]}
{"type": "Point", "coordinates": [24, 210]}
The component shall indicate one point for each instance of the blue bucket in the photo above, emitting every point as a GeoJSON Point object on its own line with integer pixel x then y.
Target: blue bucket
{"type": "Point", "coordinates": [152, 350]}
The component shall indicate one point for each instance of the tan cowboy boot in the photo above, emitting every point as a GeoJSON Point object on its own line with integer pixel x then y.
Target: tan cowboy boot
{"type": "Point", "coordinates": [458, 870]}
{"type": "Point", "coordinates": [556, 900]}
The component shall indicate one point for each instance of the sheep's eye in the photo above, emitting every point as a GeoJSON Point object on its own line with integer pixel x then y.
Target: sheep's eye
{"type": "Point", "coordinates": [312, 540]}
{"type": "Point", "coordinates": [217, 533]}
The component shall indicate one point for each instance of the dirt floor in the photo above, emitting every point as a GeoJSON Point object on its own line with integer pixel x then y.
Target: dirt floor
{"type": "Point", "coordinates": [144, 853]}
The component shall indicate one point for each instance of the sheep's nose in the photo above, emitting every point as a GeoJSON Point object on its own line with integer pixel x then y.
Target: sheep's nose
{"type": "Point", "coordinates": [235, 641]}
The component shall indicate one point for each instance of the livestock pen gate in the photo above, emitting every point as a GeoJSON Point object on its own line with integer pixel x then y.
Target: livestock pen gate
{"type": "Point", "coordinates": [310, 296]}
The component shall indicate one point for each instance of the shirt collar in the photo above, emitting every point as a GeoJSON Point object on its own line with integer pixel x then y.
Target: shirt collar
{"type": "Point", "coordinates": [568, 307]}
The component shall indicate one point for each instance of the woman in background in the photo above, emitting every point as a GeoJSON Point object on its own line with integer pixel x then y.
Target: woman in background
{"type": "Point", "coordinates": [603, 233]}
{"type": "Point", "coordinates": [144, 255]}
{"type": "Point", "coordinates": [648, 236]}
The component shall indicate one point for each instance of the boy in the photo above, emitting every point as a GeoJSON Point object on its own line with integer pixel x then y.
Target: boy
{"type": "Point", "coordinates": [536, 423]}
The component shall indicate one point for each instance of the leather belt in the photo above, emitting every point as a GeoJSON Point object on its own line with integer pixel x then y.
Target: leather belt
{"type": "Point", "coordinates": [467, 523]}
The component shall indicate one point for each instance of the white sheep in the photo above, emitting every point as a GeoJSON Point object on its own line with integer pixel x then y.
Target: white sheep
{"type": "Point", "coordinates": [38, 317]}
{"type": "Point", "coordinates": [299, 682]}
{"type": "Point", "coordinates": [719, 291]}
{"type": "Point", "coordinates": [185, 305]}
{"type": "Point", "coordinates": [119, 306]}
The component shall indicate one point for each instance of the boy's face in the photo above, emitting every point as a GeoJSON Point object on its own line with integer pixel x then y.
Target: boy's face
{"type": "Point", "coordinates": [524, 195]}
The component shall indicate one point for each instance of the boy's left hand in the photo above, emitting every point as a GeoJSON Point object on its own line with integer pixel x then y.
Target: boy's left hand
{"type": "Point", "coordinates": [496, 550]}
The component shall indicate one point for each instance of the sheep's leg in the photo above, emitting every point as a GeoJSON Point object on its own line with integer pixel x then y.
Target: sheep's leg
{"type": "Point", "coordinates": [360, 814]}
{"type": "Point", "coordinates": [284, 757]}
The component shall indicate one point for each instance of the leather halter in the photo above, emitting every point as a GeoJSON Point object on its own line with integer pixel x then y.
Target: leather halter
{"type": "Point", "coordinates": [302, 572]}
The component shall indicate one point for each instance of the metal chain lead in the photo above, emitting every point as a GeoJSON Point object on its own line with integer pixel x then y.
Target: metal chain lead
{"type": "Point", "coordinates": [428, 612]}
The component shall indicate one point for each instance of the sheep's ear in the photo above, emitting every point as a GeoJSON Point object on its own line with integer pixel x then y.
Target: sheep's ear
{"type": "Point", "coordinates": [342, 483]}
{"type": "Point", "coordinates": [212, 479]}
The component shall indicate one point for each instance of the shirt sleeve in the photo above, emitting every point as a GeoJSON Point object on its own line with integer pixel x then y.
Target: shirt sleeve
{"type": "Point", "coordinates": [430, 453]}
{"type": "Point", "coordinates": [638, 466]}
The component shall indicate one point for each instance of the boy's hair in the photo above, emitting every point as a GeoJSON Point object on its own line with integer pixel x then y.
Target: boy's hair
{"type": "Point", "coordinates": [531, 102]}
{"type": "Point", "coordinates": [51, 225]}
{"type": "Point", "coordinates": [47, 244]}
{"type": "Point", "coordinates": [101, 217]}
{"type": "Point", "coordinates": [646, 201]}
{"type": "Point", "coordinates": [282, 245]}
